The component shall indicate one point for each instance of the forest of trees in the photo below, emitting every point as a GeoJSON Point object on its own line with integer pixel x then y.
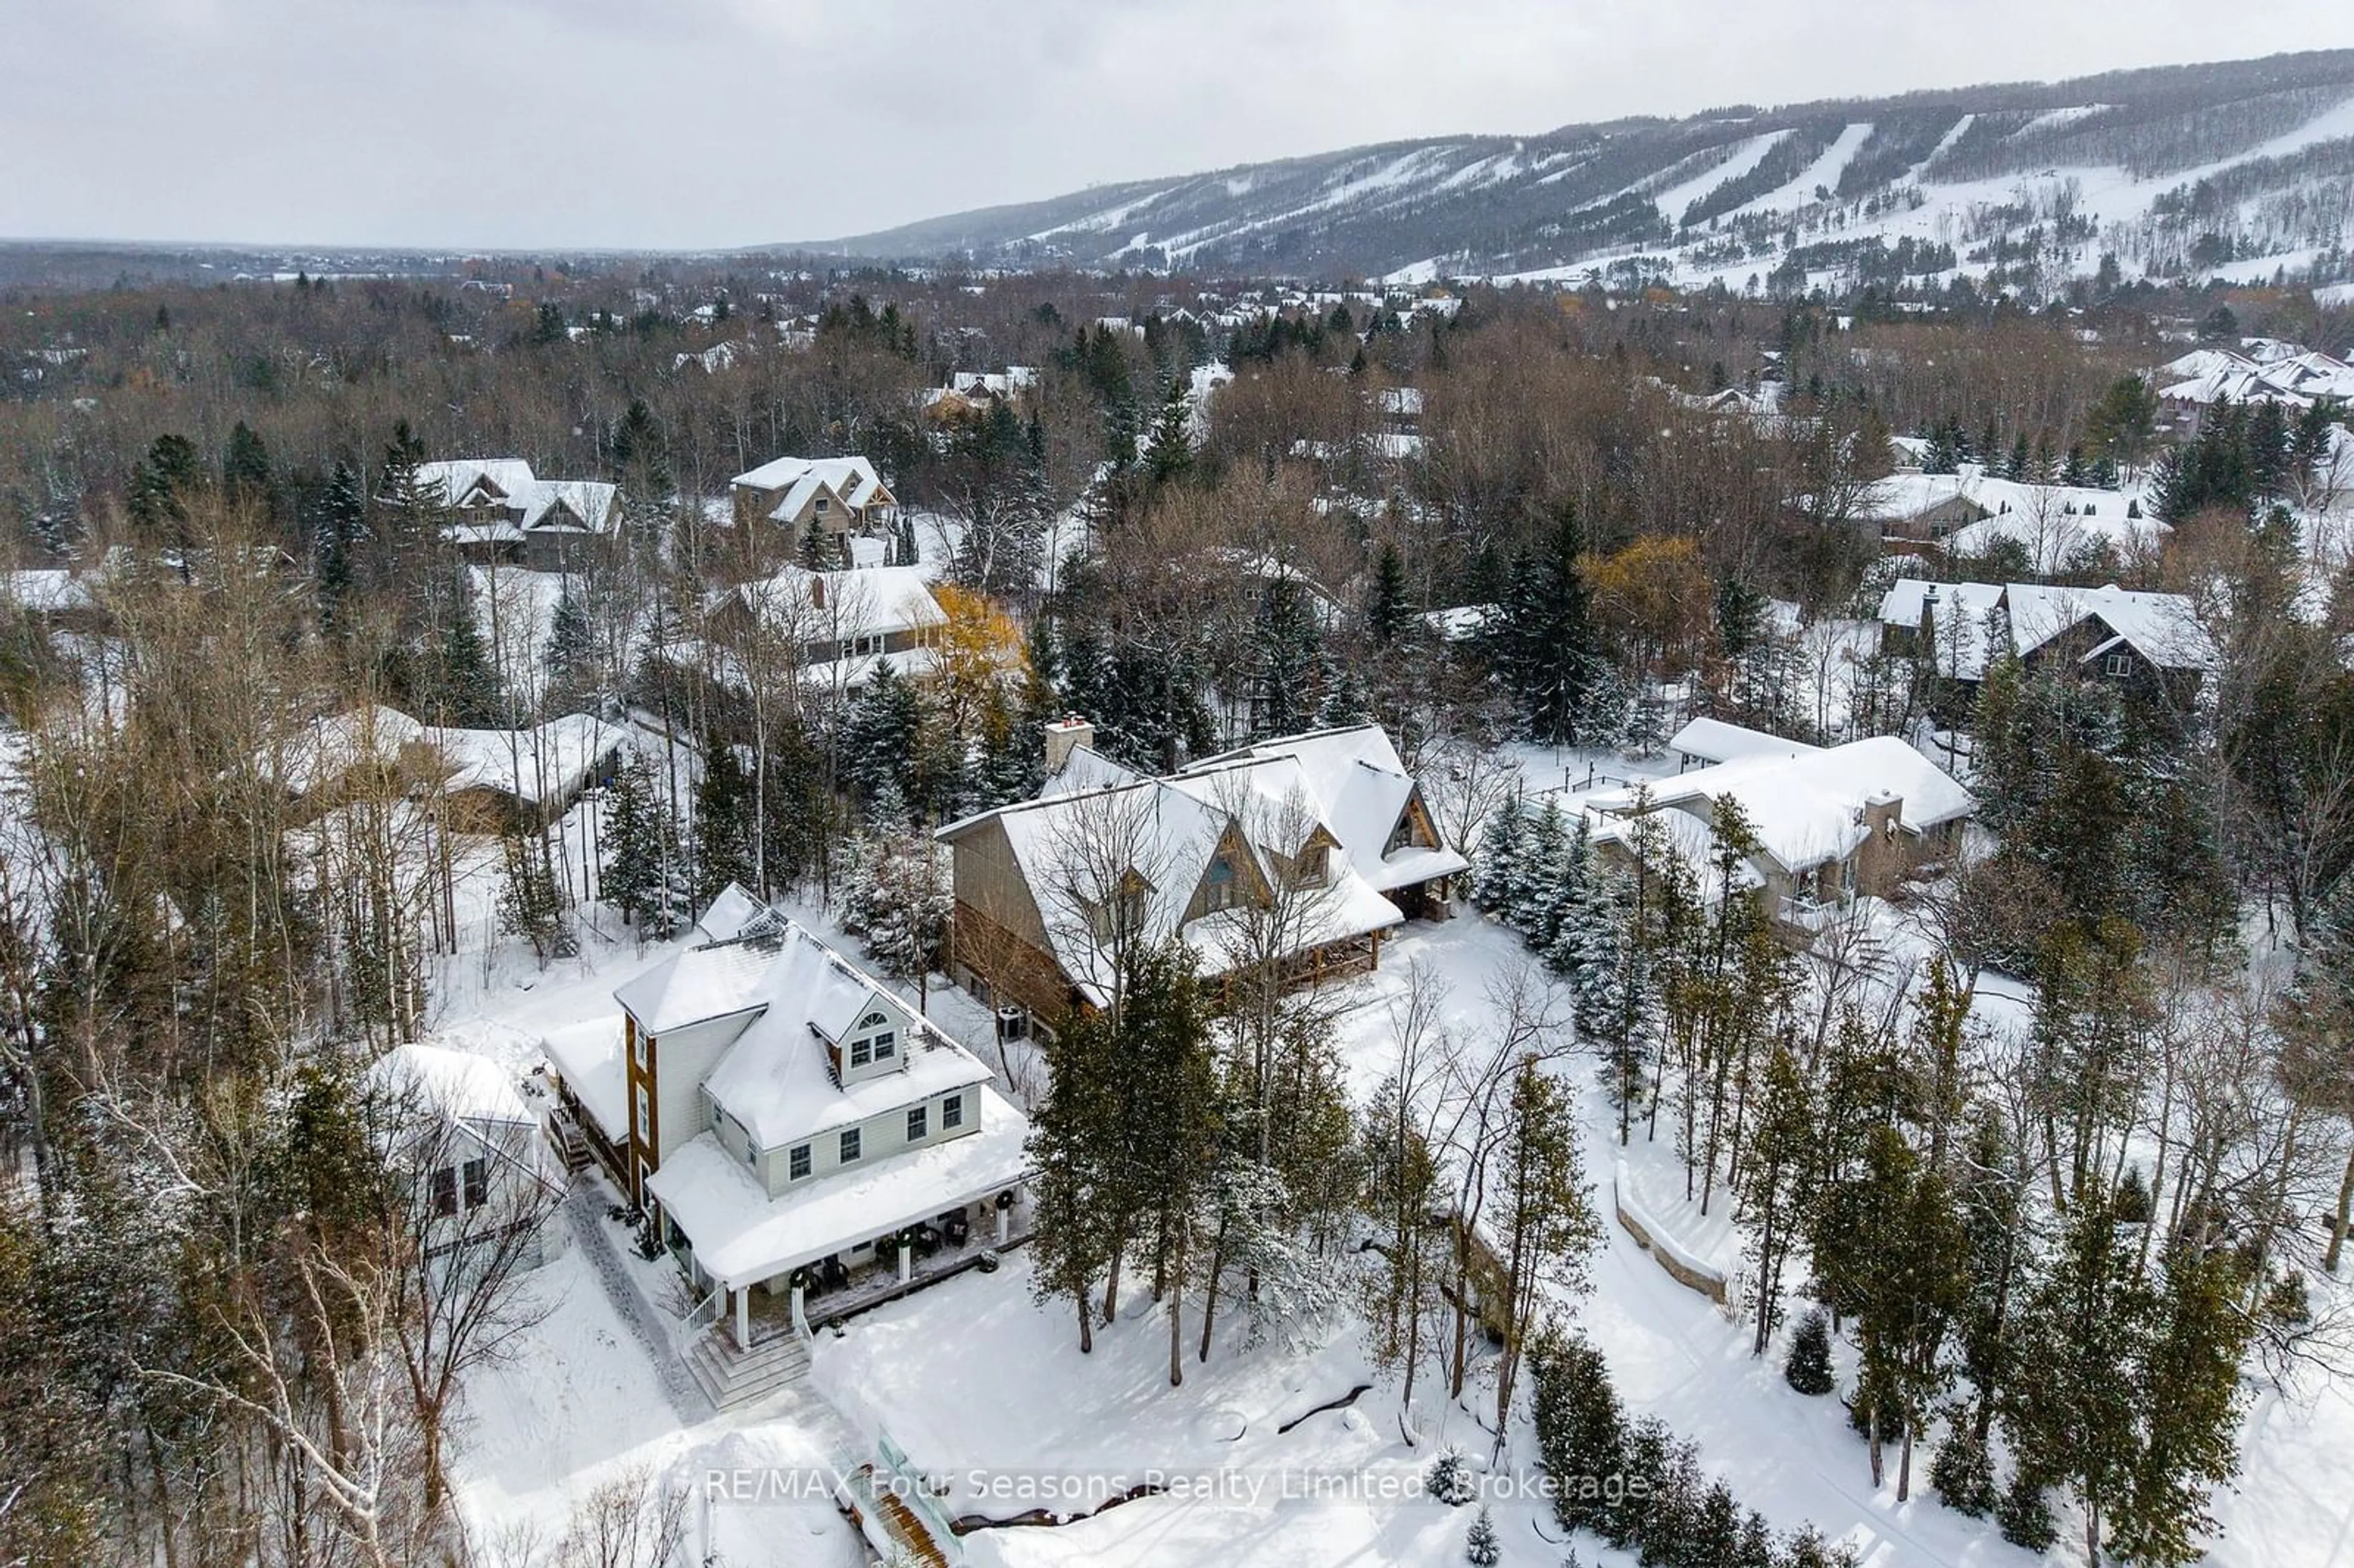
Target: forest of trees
{"type": "Point", "coordinates": [228, 888]}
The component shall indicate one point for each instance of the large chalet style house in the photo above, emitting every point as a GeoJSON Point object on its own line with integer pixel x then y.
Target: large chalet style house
{"type": "Point", "coordinates": [1831, 823]}
{"type": "Point", "coordinates": [842, 623]}
{"type": "Point", "coordinates": [795, 1132]}
{"type": "Point", "coordinates": [500, 512]}
{"type": "Point", "coordinates": [2149, 644]}
{"type": "Point", "coordinates": [833, 499]}
{"type": "Point", "coordinates": [1320, 844]}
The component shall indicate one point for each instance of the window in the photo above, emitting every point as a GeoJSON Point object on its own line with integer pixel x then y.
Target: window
{"type": "Point", "coordinates": [886, 1044]}
{"type": "Point", "coordinates": [751, 1149]}
{"type": "Point", "coordinates": [478, 1182]}
{"type": "Point", "coordinates": [951, 1113]}
{"type": "Point", "coordinates": [917, 1117]}
{"type": "Point", "coordinates": [797, 1163]}
{"type": "Point", "coordinates": [1312, 867]}
{"type": "Point", "coordinates": [645, 1125]}
{"type": "Point", "coordinates": [638, 1043]}
{"type": "Point", "coordinates": [850, 1146]}
{"type": "Point", "coordinates": [862, 1052]}
{"type": "Point", "coordinates": [2120, 666]}
{"type": "Point", "coordinates": [871, 643]}
{"type": "Point", "coordinates": [873, 1020]}
{"type": "Point", "coordinates": [445, 1191]}
{"type": "Point", "coordinates": [822, 504]}
{"type": "Point", "coordinates": [1218, 886]}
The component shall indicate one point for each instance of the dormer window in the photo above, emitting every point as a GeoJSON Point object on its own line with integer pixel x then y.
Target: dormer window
{"type": "Point", "coordinates": [1313, 866]}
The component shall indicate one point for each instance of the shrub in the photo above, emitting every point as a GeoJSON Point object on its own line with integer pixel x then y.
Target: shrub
{"type": "Point", "coordinates": [1809, 1370]}
{"type": "Point", "coordinates": [1961, 1475]}
{"type": "Point", "coordinates": [1480, 1547]}
{"type": "Point", "coordinates": [1450, 1478]}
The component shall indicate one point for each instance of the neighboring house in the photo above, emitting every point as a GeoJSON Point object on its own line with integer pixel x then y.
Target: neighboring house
{"type": "Point", "coordinates": [2267, 371]}
{"type": "Point", "coordinates": [1966, 512]}
{"type": "Point", "coordinates": [498, 777]}
{"type": "Point", "coordinates": [2150, 642]}
{"type": "Point", "coordinates": [834, 497]}
{"type": "Point", "coordinates": [501, 513]}
{"type": "Point", "coordinates": [790, 1124]}
{"type": "Point", "coordinates": [1830, 823]}
{"type": "Point", "coordinates": [1705, 742]}
{"type": "Point", "coordinates": [457, 1126]}
{"type": "Point", "coordinates": [54, 597]}
{"type": "Point", "coordinates": [842, 622]}
{"type": "Point", "coordinates": [1317, 843]}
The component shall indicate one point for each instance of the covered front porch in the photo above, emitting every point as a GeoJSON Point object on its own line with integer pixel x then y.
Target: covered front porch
{"type": "Point", "coordinates": [819, 1253]}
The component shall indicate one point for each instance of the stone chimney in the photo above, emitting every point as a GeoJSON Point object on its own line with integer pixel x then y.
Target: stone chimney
{"type": "Point", "coordinates": [817, 590]}
{"type": "Point", "coordinates": [1929, 621]}
{"type": "Point", "coordinates": [1063, 737]}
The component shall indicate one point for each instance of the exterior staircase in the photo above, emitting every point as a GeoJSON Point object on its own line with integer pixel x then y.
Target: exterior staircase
{"type": "Point", "coordinates": [571, 1145]}
{"type": "Point", "coordinates": [732, 1377]}
{"type": "Point", "coordinates": [890, 1525]}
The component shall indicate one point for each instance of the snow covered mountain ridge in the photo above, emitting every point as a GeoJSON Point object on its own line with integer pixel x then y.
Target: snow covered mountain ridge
{"type": "Point", "coordinates": [2238, 169]}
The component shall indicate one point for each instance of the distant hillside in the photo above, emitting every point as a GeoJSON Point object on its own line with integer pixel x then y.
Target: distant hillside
{"type": "Point", "coordinates": [2240, 168]}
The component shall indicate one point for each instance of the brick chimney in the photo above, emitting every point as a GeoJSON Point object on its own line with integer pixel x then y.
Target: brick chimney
{"type": "Point", "coordinates": [1063, 737]}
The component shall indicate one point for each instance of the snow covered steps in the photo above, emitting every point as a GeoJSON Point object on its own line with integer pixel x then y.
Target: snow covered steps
{"type": "Point", "coordinates": [732, 1377]}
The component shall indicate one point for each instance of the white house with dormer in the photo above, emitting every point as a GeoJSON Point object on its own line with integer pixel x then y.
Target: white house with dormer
{"type": "Point", "coordinates": [790, 1123]}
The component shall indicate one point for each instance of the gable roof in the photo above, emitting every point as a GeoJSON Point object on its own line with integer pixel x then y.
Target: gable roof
{"type": "Point", "coordinates": [456, 478]}
{"type": "Point", "coordinates": [1717, 741]}
{"type": "Point", "coordinates": [2161, 627]}
{"type": "Point", "coordinates": [851, 478]}
{"type": "Point", "coordinates": [1359, 787]}
{"type": "Point", "coordinates": [458, 1084]}
{"type": "Point", "coordinates": [862, 601]}
{"type": "Point", "coordinates": [1808, 808]}
{"type": "Point", "coordinates": [797, 995]}
{"type": "Point", "coordinates": [1960, 622]}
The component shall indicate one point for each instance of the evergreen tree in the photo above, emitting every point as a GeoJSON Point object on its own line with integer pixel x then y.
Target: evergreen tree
{"type": "Point", "coordinates": [1286, 647]}
{"type": "Point", "coordinates": [1543, 643]}
{"type": "Point", "coordinates": [1480, 1547]}
{"type": "Point", "coordinates": [1962, 1475]}
{"type": "Point", "coordinates": [1496, 865]}
{"type": "Point", "coordinates": [1387, 612]}
{"type": "Point", "coordinates": [2089, 1315]}
{"type": "Point", "coordinates": [1776, 1184]}
{"type": "Point", "coordinates": [631, 874]}
{"type": "Point", "coordinates": [1449, 1478]}
{"type": "Point", "coordinates": [723, 823]}
{"type": "Point", "coordinates": [163, 483]}
{"type": "Point", "coordinates": [2189, 1407]}
{"type": "Point", "coordinates": [570, 654]}
{"type": "Point", "coordinates": [1580, 1431]}
{"type": "Point", "coordinates": [1808, 1369]}
{"type": "Point", "coordinates": [246, 477]}
{"type": "Point", "coordinates": [342, 519]}
{"type": "Point", "coordinates": [531, 899]}
{"type": "Point", "coordinates": [882, 738]}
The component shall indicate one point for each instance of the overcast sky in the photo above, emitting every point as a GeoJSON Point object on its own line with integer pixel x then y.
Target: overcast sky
{"type": "Point", "coordinates": [698, 123]}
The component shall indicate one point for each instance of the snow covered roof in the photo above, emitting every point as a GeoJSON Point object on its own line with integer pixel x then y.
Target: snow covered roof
{"type": "Point", "coordinates": [455, 1083]}
{"type": "Point", "coordinates": [1360, 789]}
{"type": "Point", "coordinates": [587, 1057]}
{"type": "Point", "coordinates": [46, 590]}
{"type": "Point", "coordinates": [733, 913]}
{"type": "Point", "coordinates": [862, 601]}
{"type": "Point", "coordinates": [1714, 741]}
{"type": "Point", "coordinates": [1959, 621]}
{"type": "Point", "coordinates": [547, 763]}
{"type": "Point", "coordinates": [1808, 808]}
{"type": "Point", "coordinates": [853, 479]}
{"type": "Point", "coordinates": [2269, 372]}
{"type": "Point", "coordinates": [800, 995]}
{"type": "Point", "coordinates": [588, 501]}
{"type": "Point", "coordinates": [2054, 539]}
{"type": "Point", "coordinates": [742, 1236]}
{"type": "Point", "coordinates": [719, 979]}
{"type": "Point", "coordinates": [476, 482]}
{"type": "Point", "coordinates": [1346, 782]}
{"type": "Point", "coordinates": [2161, 627]}
{"type": "Point", "coordinates": [331, 746]}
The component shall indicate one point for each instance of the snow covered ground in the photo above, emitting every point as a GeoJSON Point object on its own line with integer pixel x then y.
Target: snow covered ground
{"type": "Point", "coordinates": [983, 1386]}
